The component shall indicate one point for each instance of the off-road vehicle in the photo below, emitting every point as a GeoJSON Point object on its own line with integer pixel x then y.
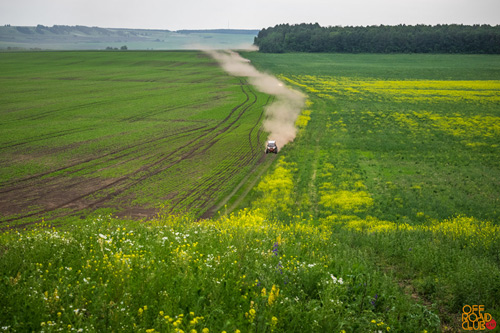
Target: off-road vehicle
{"type": "Point", "coordinates": [271, 147]}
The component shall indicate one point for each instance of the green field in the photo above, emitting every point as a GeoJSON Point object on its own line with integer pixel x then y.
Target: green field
{"type": "Point", "coordinates": [382, 214]}
{"type": "Point", "coordinates": [122, 132]}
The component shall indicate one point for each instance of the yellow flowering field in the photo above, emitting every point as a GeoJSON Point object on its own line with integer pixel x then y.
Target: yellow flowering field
{"type": "Point", "coordinates": [433, 91]}
{"type": "Point", "coordinates": [401, 159]}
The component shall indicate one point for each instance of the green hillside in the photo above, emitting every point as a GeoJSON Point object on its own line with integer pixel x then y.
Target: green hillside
{"type": "Point", "coordinates": [61, 37]}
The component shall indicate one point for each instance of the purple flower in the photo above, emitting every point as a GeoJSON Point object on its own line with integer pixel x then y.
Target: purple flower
{"type": "Point", "coordinates": [279, 266]}
{"type": "Point", "coordinates": [275, 249]}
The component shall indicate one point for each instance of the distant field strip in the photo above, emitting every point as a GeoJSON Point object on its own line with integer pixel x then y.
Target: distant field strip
{"type": "Point", "coordinates": [129, 131]}
{"type": "Point", "coordinates": [434, 91]}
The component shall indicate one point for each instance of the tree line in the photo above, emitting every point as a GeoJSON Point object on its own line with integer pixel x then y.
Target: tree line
{"type": "Point", "coordinates": [452, 38]}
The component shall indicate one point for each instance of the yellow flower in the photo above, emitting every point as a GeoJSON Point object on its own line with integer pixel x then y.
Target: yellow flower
{"type": "Point", "coordinates": [205, 330]}
{"type": "Point", "coordinates": [275, 291]}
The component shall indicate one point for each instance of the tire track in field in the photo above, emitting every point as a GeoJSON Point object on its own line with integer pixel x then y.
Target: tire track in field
{"type": "Point", "coordinates": [206, 206]}
{"type": "Point", "coordinates": [9, 186]}
{"type": "Point", "coordinates": [270, 99]}
{"type": "Point", "coordinates": [68, 132]}
{"type": "Point", "coordinates": [200, 187]}
{"type": "Point", "coordinates": [202, 146]}
{"type": "Point", "coordinates": [56, 185]}
{"type": "Point", "coordinates": [210, 212]}
{"type": "Point", "coordinates": [120, 185]}
{"type": "Point", "coordinates": [43, 137]}
{"type": "Point", "coordinates": [44, 114]}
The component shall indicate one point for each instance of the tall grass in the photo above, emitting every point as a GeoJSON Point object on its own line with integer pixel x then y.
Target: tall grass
{"type": "Point", "coordinates": [242, 272]}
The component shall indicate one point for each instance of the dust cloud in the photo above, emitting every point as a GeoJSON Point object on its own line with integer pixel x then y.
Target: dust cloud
{"type": "Point", "coordinates": [282, 113]}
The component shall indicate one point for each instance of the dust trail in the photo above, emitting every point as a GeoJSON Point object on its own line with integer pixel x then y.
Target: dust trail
{"type": "Point", "coordinates": [282, 113]}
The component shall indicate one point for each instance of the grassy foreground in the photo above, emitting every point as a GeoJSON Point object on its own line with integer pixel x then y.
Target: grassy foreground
{"type": "Point", "coordinates": [238, 273]}
{"type": "Point", "coordinates": [380, 216]}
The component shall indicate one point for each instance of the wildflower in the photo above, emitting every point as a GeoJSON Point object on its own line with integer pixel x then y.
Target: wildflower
{"type": "Point", "coordinates": [335, 280]}
{"type": "Point", "coordinates": [275, 249]}
{"type": "Point", "coordinates": [205, 330]}
{"type": "Point", "coordinates": [250, 315]}
{"type": "Point", "coordinates": [274, 322]}
{"type": "Point", "coordinates": [275, 291]}
{"type": "Point", "coordinates": [278, 267]}
{"type": "Point", "coordinates": [140, 311]}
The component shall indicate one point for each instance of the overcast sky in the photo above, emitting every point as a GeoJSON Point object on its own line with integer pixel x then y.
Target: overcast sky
{"type": "Point", "coordinates": [237, 14]}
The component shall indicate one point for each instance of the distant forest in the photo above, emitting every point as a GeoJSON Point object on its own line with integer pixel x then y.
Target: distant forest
{"type": "Point", "coordinates": [453, 38]}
